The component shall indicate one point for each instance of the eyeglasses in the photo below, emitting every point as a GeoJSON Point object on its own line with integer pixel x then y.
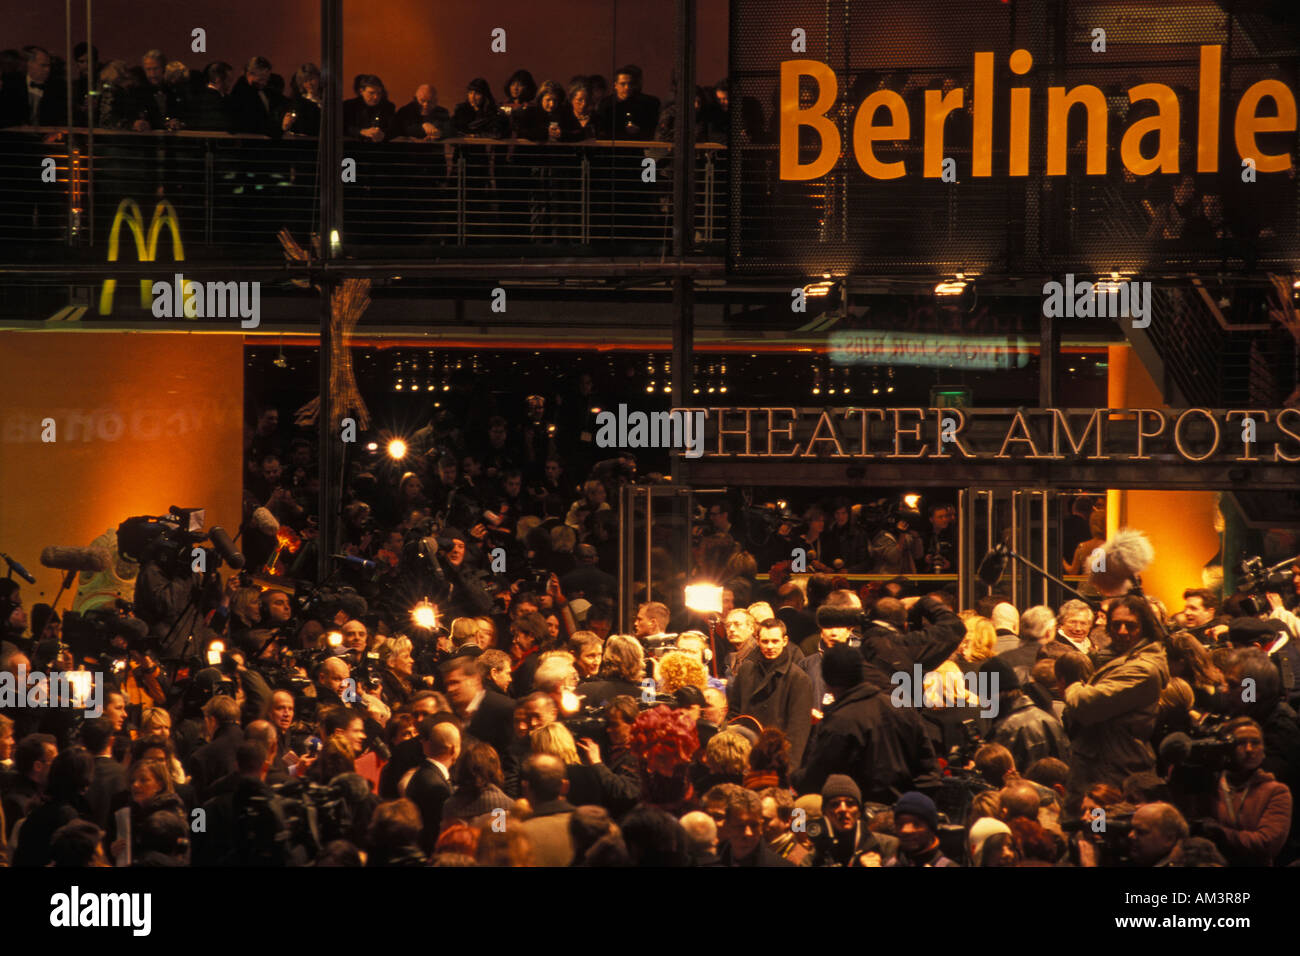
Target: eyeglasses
{"type": "Point", "coordinates": [1123, 625]}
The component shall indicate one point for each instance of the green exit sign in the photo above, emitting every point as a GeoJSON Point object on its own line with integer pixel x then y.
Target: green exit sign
{"type": "Point", "coordinates": [950, 396]}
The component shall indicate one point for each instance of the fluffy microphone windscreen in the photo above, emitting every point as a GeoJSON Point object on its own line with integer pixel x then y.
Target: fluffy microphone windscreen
{"type": "Point", "coordinates": [1124, 555]}
{"type": "Point", "coordinates": [265, 522]}
{"type": "Point", "coordinates": [75, 559]}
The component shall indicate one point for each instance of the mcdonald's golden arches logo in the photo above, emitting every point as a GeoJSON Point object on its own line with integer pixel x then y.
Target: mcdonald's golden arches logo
{"type": "Point", "coordinates": [146, 247]}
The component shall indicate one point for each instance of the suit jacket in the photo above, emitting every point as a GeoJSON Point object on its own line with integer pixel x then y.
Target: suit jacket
{"type": "Point", "coordinates": [109, 781]}
{"type": "Point", "coordinates": [249, 115]}
{"type": "Point", "coordinates": [209, 110]}
{"type": "Point", "coordinates": [493, 722]}
{"type": "Point", "coordinates": [15, 109]}
{"type": "Point", "coordinates": [409, 121]}
{"type": "Point", "coordinates": [215, 760]}
{"type": "Point", "coordinates": [548, 831]}
{"type": "Point", "coordinates": [429, 789]}
{"type": "Point", "coordinates": [641, 109]}
{"type": "Point", "coordinates": [358, 116]}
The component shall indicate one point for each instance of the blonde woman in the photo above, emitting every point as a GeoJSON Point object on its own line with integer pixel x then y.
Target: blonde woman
{"type": "Point", "coordinates": [590, 783]}
{"type": "Point", "coordinates": [978, 644]}
{"type": "Point", "coordinates": [157, 722]}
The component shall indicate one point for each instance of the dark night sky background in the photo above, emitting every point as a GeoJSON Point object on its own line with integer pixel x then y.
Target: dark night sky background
{"type": "Point", "coordinates": [406, 42]}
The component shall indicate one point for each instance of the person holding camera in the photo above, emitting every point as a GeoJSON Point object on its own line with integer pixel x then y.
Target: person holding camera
{"type": "Point", "coordinates": [1250, 809]}
{"type": "Point", "coordinates": [846, 840]}
{"type": "Point", "coordinates": [888, 649]}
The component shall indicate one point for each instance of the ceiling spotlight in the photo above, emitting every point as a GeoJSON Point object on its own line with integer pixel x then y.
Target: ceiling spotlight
{"type": "Point", "coordinates": [952, 287]}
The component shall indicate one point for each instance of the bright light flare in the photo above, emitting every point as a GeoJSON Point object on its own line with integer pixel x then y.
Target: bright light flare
{"type": "Point", "coordinates": [425, 615]}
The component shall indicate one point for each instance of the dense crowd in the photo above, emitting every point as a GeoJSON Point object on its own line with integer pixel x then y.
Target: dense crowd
{"type": "Point", "coordinates": [454, 693]}
{"type": "Point", "coordinates": [160, 94]}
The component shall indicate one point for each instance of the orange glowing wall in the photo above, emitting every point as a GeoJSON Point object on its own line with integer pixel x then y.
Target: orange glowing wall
{"type": "Point", "coordinates": [142, 422]}
{"type": "Point", "coordinates": [1180, 524]}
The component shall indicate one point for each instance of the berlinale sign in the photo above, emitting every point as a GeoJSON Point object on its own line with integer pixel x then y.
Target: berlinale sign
{"type": "Point", "coordinates": [1247, 124]}
{"type": "Point", "coordinates": [1055, 434]}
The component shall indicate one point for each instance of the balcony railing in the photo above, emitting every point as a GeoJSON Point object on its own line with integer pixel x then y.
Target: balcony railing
{"type": "Point", "coordinates": [232, 194]}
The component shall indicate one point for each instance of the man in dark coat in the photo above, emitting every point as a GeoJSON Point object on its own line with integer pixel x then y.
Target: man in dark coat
{"type": "Point", "coordinates": [629, 113]}
{"type": "Point", "coordinates": [740, 837]}
{"type": "Point", "coordinates": [36, 96]}
{"type": "Point", "coordinates": [883, 748]}
{"type": "Point", "coordinates": [216, 758]}
{"type": "Point", "coordinates": [423, 118]}
{"type": "Point", "coordinates": [430, 783]}
{"type": "Point", "coordinates": [836, 620]}
{"type": "Point", "coordinates": [772, 690]}
{"type": "Point", "coordinates": [488, 715]}
{"type": "Point", "coordinates": [889, 650]}
{"type": "Point", "coordinates": [110, 776]}
{"type": "Point", "coordinates": [850, 842]}
{"type": "Point", "coordinates": [254, 106]}
{"type": "Point", "coordinates": [1020, 725]}
{"type": "Point", "coordinates": [210, 107]}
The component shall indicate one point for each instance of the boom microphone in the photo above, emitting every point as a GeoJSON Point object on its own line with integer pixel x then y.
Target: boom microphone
{"type": "Point", "coordinates": [992, 566]}
{"type": "Point", "coordinates": [19, 570]}
{"type": "Point", "coordinates": [91, 560]}
{"type": "Point", "coordinates": [265, 522]}
{"type": "Point", "coordinates": [1118, 569]}
{"type": "Point", "coordinates": [225, 547]}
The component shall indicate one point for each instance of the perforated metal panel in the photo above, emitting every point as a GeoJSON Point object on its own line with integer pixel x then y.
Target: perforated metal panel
{"type": "Point", "coordinates": [848, 222]}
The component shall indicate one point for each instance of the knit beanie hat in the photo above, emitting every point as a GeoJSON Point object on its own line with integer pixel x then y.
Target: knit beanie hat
{"type": "Point", "coordinates": [839, 785]}
{"type": "Point", "coordinates": [842, 666]}
{"type": "Point", "coordinates": [918, 805]}
{"type": "Point", "coordinates": [981, 830]}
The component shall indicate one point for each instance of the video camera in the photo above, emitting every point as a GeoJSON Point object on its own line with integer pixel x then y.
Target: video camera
{"type": "Point", "coordinates": [1257, 580]}
{"type": "Point", "coordinates": [108, 632]}
{"type": "Point", "coordinates": [169, 541]}
{"type": "Point", "coordinates": [1111, 840]}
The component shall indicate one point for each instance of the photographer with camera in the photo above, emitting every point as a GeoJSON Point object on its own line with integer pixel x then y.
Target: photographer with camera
{"type": "Point", "coordinates": [440, 568]}
{"type": "Point", "coordinates": [889, 650]}
{"type": "Point", "coordinates": [844, 839]}
{"type": "Point", "coordinates": [1250, 810]}
{"type": "Point", "coordinates": [171, 597]}
{"type": "Point", "coordinates": [896, 548]}
{"type": "Point", "coordinates": [336, 685]}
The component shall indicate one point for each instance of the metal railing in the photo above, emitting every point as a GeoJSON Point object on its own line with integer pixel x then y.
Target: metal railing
{"type": "Point", "coordinates": [232, 194]}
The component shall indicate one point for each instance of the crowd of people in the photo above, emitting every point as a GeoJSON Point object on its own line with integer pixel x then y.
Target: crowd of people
{"type": "Point", "coordinates": [456, 692]}
{"type": "Point", "coordinates": [155, 93]}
